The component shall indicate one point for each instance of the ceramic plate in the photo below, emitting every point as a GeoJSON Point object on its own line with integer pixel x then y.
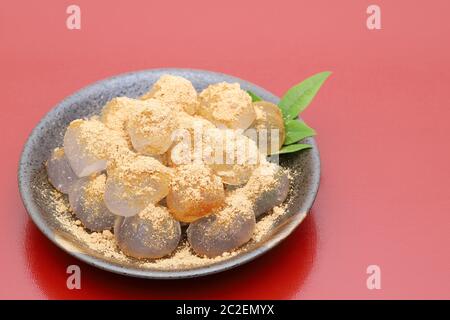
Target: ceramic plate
{"type": "Point", "coordinates": [48, 134]}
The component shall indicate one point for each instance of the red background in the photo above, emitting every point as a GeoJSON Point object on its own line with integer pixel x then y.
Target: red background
{"type": "Point", "coordinates": [382, 117]}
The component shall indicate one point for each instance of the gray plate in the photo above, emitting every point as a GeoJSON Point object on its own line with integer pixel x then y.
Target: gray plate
{"type": "Point", "coordinates": [48, 134]}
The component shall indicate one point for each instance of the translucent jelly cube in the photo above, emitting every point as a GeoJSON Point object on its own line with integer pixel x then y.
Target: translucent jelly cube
{"type": "Point", "coordinates": [268, 187]}
{"type": "Point", "coordinates": [115, 114]}
{"type": "Point", "coordinates": [88, 144]}
{"type": "Point", "coordinates": [195, 191]}
{"type": "Point", "coordinates": [153, 233]}
{"type": "Point", "coordinates": [59, 171]}
{"type": "Point", "coordinates": [190, 132]}
{"type": "Point", "coordinates": [86, 201]}
{"type": "Point", "coordinates": [225, 229]}
{"type": "Point", "coordinates": [227, 105]}
{"type": "Point", "coordinates": [134, 182]}
{"type": "Point", "coordinates": [268, 128]}
{"type": "Point", "coordinates": [235, 157]}
{"type": "Point", "coordinates": [193, 124]}
{"type": "Point", "coordinates": [150, 127]}
{"type": "Point", "coordinates": [176, 92]}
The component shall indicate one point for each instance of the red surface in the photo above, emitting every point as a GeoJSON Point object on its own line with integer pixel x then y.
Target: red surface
{"type": "Point", "coordinates": [383, 123]}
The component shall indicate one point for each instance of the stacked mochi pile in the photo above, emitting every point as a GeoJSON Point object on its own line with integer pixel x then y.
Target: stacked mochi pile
{"type": "Point", "coordinates": [141, 169]}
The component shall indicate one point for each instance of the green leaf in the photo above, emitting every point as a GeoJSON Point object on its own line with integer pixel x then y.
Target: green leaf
{"type": "Point", "coordinates": [254, 96]}
{"type": "Point", "coordinates": [296, 131]}
{"type": "Point", "coordinates": [297, 98]}
{"type": "Point", "coordinates": [293, 148]}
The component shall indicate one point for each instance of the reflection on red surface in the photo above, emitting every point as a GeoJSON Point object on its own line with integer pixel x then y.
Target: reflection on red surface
{"type": "Point", "coordinates": [47, 264]}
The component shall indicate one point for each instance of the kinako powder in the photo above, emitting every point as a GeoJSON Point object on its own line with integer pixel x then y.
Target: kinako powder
{"type": "Point", "coordinates": [104, 243]}
{"type": "Point", "coordinates": [118, 144]}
